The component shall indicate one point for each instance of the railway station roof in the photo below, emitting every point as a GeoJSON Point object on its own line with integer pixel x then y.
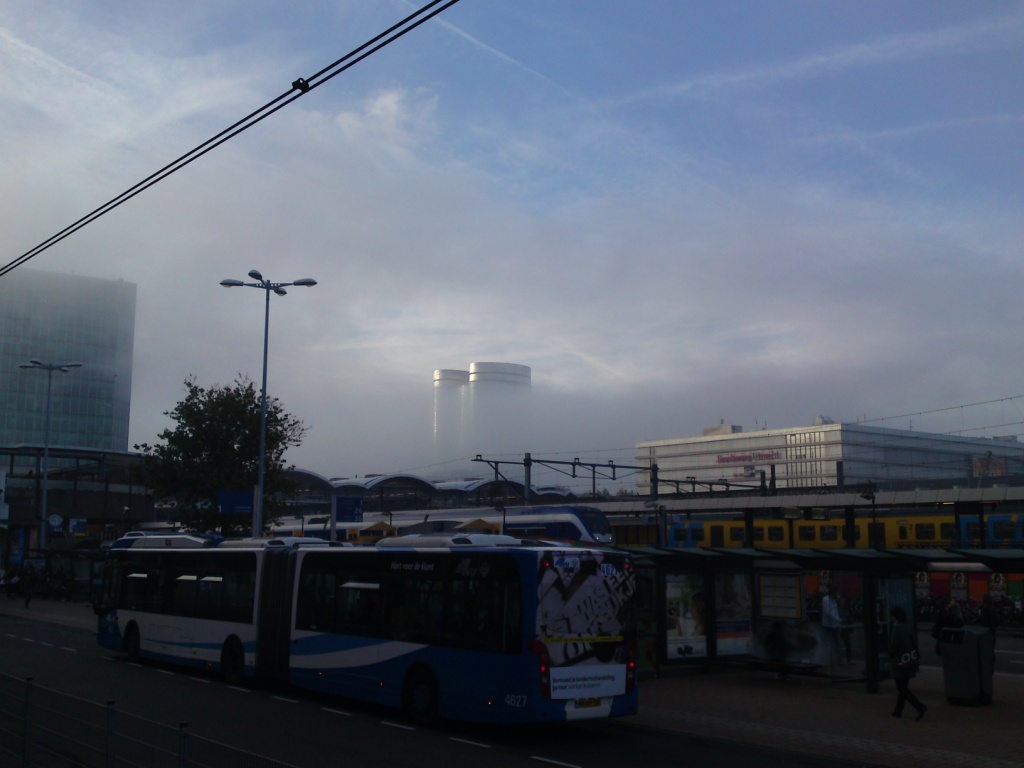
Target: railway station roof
{"type": "Point", "coordinates": [873, 561]}
{"type": "Point", "coordinates": [999, 560]}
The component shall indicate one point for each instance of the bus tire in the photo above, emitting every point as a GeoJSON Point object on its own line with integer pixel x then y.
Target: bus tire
{"type": "Point", "coordinates": [232, 661]}
{"type": "Point", "coordinates": [420, 697]}
{"type": "Point", "coordinates": [132, 643]}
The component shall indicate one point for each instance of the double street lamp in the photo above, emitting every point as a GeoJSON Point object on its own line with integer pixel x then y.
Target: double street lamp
{"type": "Point", "coordinates": [279, 289]}
{"type": "Point", "coordinates": [49, 368]}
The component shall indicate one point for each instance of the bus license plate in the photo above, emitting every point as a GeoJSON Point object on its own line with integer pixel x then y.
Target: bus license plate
{"type": "Point", "coordinates": [588, 703]}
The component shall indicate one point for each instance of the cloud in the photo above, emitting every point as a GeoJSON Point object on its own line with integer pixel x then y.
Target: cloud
{"type": "Point", "coordinates": [994, 31]}
{"type": "Point", "coordinates": [761, 260]}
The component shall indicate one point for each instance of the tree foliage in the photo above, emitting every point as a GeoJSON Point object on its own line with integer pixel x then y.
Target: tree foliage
{"type": "Point", "coordinates": [214, 446]}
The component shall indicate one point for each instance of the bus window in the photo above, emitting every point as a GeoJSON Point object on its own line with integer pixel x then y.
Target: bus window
{"type": "Point", "coordinates": [358, 605]}
{"type": "Point", "coordinates": [183, 597]}
{"type": "Point", "coordinates": [484, 616]}
{"type": "Point", "coordinates": [759, 533]}
{"type": "Point", "coordinates": [846, 533]}
{"type": "Point", "coordinates": [901, 531]}
{"type": "Point", "coordinates": [423, 602]}
{"type": "Point", "coordinates": [973, 531]}
{"type": "Point", "coordinates": [697, 532]}
{"type": "Point", "coordinates": [829, 533]}
{"type": "Point", "coordinates": [947, 531]}
{"type": "Point", "coordinates": [776, 533]}
{"type": "Point", "coordinates": [736, 534]}
{"type": "Point", "coordinates": [317, 600]}
{"type": "Point", "coordinates": [925, 531]}
{"type": "Point", "coordinates": [805, 533]}
{"type": "Point", "coordinates": [137, 592]}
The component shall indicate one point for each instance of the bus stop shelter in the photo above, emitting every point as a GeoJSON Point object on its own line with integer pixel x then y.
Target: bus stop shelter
{"type": "Point", "coordinates": [764, 606]}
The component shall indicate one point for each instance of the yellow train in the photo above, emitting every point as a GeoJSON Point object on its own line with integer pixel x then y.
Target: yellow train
{"type": "Point", "coordinates": [892, 529]}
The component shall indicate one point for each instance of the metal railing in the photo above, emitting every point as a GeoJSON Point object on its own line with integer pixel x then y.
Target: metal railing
{"type": "Point", "coordinates": [43, 728]}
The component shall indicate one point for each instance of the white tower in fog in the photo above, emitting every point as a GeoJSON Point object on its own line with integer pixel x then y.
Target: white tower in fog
{"type": "Point", "coordinates": [451, 396]}
{"type": "Point", "coordinates": [485, 410]}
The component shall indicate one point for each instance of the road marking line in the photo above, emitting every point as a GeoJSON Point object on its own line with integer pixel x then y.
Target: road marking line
{"type": "Point", "coordinates": [397, 725]}
{"type": "Point", "coordinates": [471, 743]}
{"type": "Point", "coordinates": [337, 712]}
{"type": "Point", "coordinates": [553, 762]}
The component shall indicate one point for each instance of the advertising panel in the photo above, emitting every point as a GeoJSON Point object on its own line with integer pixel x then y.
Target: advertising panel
{"type": "Point", "coordinates": [585, 620]}
{"type": "Point", "coordinates": [685, 634]}
{"type": "Point", "coordinates": [734, 614]}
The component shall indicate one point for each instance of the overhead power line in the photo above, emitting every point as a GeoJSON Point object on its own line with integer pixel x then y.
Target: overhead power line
{"type": "Point", "coordinates": [299, 88]}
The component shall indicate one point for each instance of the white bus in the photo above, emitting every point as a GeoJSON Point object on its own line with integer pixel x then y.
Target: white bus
{"type": "Point", "coordinates": [476, 627]}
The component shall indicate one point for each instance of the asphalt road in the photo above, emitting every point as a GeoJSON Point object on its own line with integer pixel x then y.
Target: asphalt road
{"type": "Point", "coordinates": [315, 732]}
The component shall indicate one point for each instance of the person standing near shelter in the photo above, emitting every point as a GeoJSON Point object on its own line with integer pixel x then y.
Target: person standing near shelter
{"type": "Point", "coordinates": [832, 621]}
{"type": "Point", "coordinates": [904, 662]}
{"type": "Point", "coordinates": [989, 616]}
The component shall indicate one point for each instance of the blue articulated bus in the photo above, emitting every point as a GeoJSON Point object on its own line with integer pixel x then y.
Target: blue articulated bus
{"type": "Point", "coordinates": [478, 628]}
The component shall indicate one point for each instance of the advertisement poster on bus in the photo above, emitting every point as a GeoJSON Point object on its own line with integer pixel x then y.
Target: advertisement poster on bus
{"type": "Point", "coordinates": [585, 620]}
{"type": "Point", "coordinates": [734, 612]}
{"type": "Point", "coordinates": [686, 634]}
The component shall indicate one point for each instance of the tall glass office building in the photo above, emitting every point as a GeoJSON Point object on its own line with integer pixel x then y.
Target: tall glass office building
{"type": "Point", "coordinates": [58, 318]}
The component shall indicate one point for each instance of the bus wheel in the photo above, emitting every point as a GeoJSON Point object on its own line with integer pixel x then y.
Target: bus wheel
{"type": "Point", "coordinates": [132, 644]}
{"type": "Point", "coordinates": [420, 700]}
{"type": "Point", "coordinates": [232, 661]}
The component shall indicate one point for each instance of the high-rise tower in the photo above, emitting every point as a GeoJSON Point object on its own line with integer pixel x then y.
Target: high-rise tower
{"type": "Point", "coordinates": [485, 410]}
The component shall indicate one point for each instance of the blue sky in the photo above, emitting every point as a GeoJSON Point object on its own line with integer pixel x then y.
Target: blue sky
{"type": "Point", "coordinates": [675, 213]}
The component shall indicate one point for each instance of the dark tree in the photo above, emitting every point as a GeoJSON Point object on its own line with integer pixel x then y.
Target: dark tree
{"type": "Point", "coordinates": [213, 447]}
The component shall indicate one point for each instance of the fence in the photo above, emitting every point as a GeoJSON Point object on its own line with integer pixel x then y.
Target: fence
{"type": "Point", "coordinates": [42, 728]}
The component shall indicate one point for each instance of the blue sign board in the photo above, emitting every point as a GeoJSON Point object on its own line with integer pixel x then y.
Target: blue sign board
{"type": "Point", "coordinates": [348, 509]}
{"type": "Point", "coordinates": [235, 503]}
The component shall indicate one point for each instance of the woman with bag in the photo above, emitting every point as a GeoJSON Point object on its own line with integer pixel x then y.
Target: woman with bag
{"type": "Point", "coordinates": [904, 660]}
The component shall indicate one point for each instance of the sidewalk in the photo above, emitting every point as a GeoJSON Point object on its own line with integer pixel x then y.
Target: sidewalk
{"type": "Point", "coordinates": [839, 719]}
{"type": "Point", "coordinates": [812, 715]}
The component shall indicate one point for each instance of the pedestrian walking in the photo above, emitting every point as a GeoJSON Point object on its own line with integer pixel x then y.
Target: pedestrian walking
{"type": "Point", "coordinates": [28, 584]}
{"type": "Point", "coordinates": [12, 580]}
{"type": "Point", "coordinates": [904, 662]}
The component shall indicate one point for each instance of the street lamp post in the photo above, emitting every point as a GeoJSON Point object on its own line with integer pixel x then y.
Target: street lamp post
{"type": "Point", "coordinates": [279, 289]}
{"type": "Point", "coordinates": [49, 368]}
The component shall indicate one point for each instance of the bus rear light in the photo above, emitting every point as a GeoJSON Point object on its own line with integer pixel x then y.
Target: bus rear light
{"type": "Point", "coordinates": [538, 649]}
{"type": "Point", "coordinates": [631, 667]}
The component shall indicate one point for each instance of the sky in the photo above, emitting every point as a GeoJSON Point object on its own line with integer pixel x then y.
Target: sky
{"type": "Point", "coordinates": [677, 214]}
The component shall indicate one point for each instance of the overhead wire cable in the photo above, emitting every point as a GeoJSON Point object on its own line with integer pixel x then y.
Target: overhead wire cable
{"type": "Point", "coordinates": [299, 88]}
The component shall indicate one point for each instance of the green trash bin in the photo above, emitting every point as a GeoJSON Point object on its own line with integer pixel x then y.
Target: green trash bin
{"type": "Point", "coordinates": [967, 665]}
